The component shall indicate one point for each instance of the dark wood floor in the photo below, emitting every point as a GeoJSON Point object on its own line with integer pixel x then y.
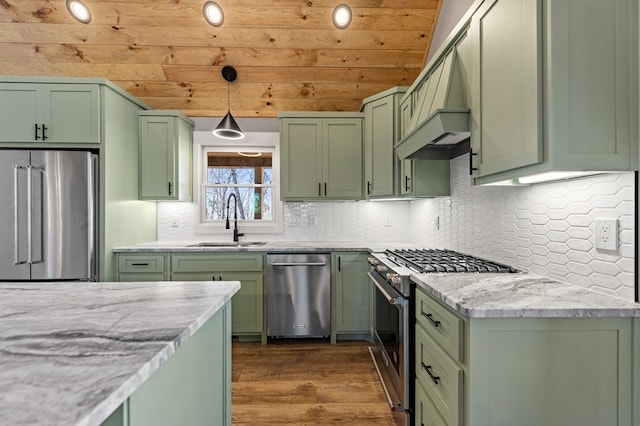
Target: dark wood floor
{"type": "Point", "coordinates": [306, 382]}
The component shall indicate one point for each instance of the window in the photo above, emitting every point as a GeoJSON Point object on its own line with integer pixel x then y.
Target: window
{"type": "Point", "coordinates": [248, 176]}
{"type": "Point", "coordinates": [246, 171]}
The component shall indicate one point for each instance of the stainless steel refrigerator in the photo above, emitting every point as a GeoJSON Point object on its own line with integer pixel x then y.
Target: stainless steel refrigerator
{"type": "Point", "coordinates": [48, 210]}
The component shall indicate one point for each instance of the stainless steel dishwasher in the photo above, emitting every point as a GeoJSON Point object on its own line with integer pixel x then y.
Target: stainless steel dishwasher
{"type": "Point", "coordinates": [298, 295]}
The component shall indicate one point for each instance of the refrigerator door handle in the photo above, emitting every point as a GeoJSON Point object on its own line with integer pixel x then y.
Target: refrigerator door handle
{"type": "Point", "coordinates": [29, 212]}
{"type": "Point", "coordinates": [16, 228]}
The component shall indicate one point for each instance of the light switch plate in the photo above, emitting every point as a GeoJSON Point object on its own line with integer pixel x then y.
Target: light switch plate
{"type": "Point", "coordinates": [607, 234]}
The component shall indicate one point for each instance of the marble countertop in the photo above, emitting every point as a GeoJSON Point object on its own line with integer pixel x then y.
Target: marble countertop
{"type": "Point", "coordinates": [71, 353]}
{"type": "Point", "coordinates": [520, 295]}
{"type": "Point", "coordinates": [269, 246]}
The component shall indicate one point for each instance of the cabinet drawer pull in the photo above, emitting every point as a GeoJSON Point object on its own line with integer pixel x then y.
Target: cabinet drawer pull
{"type": "Point", "coordinates": [427, 368]}
{"type": "Point", "coordinates": [140, 264]}
{"type": "Point", "coordinates": [325, 189]}
{"type": "Point", "coordinates": [319, 189]}
{"type": "Point", "coordinates": [37, 128]}
{"type": "Point", "coordinates": [431, 320]}
{"type": "Point", "coordinates": [44, 132]}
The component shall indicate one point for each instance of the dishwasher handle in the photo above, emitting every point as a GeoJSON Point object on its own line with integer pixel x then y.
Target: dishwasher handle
{"type": "Point", "coordinates": [298, 264]}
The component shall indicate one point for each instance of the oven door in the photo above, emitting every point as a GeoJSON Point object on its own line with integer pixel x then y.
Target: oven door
{"type": "Point", "coordinates": [391, 351]}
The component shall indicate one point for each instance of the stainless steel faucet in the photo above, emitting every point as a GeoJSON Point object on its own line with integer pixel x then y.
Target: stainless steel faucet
{"type": "Point", "coordinates": [235, 217]}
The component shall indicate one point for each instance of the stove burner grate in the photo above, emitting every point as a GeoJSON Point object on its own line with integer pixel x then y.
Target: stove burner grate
{"type": "Point", "coordinates": [437, 260]}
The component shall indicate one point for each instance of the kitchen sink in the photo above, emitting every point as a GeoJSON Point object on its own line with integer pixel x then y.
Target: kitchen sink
{"type": "Point", "coordinates": [229, 244]}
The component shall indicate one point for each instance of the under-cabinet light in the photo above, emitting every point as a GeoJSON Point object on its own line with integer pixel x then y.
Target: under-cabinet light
{"type": "Point", "coordinates": [79, 11]}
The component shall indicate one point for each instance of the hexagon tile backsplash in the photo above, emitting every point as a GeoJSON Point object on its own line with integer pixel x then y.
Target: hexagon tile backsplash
{"type": "Point", "coordinates": [546, 229]}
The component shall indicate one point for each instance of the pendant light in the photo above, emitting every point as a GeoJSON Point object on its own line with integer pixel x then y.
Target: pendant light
{"type": "Point", "coordinates": [228, 128]}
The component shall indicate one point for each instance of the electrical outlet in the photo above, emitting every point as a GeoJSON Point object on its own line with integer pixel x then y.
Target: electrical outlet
{"type": "Point", "coordinates": [607, 234]}
{"type": "Point", "coordinates": [174, 222]}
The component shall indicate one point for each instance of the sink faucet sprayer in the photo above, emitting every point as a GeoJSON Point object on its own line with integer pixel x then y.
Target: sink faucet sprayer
{"type": "Point", "coordinates": [235, 216]}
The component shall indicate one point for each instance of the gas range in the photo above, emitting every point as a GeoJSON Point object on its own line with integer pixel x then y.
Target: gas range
{"type": "Point", "coordinates": [395, 266]}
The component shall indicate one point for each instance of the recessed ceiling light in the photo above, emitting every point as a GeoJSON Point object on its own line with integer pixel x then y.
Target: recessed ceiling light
{"type": "Point", "coordinates": [341, 16]}
{"type": "Point", "coordinates": [213, 13]}
{"type": "Point", "coordinates": [79, 11]}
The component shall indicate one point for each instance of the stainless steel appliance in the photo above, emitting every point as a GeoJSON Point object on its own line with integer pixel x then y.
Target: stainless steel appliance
{"type": "Point", "coordinates": [48, 215]}
{"type": "Point", "coordinates": [394, 313]}
{"type": "Point", "coordinates": [298, 291]}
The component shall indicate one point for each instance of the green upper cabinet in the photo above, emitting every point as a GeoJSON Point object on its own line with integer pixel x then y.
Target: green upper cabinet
{"type": "Point", "coordinates": [321, 156]}
{"type": "Point", "coordinates": [425, 178]}
{"type": "Point", "coordinates": [381, 132]}
{"type": "Point", "coordinates": [165, 155]}
{"type": "Point", "coordinates": [50, 113]}
{"type": "Point", "coordinates": [554, 87]}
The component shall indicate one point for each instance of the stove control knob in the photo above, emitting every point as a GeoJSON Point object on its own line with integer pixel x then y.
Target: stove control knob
{"type": "Point", "coordinates": [381, 269]}
{"type": "Point", "coordinates": [395, 279]}
{"type": "Point", "coordinates": [372, 260]}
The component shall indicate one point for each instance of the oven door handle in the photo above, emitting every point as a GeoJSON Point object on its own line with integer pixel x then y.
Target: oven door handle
{"type": "Point", "coordinates": [392, 300]}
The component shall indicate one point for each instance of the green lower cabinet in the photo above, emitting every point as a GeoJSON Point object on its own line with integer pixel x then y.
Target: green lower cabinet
{"type": "Point", "coordinates": [192, 388]}
{"type": "Point", "coordinates": [248, 312]}
{"type": "Point", "coordinates": [351, 295]}
{"type": "Point", "coordinates": [426, 413]}
{"type": "Point", "coordinates": [142, 267]}
{"type": "Point", "coordinates": [524, 371]}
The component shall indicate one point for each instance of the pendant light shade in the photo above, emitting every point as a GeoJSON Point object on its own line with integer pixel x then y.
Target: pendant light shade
{"type": "Point", "coordinates": [228, 127]}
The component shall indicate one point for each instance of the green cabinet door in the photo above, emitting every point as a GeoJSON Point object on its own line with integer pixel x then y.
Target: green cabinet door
{"type": "Point", "coordinates": [193, 387]}
{"type": "Point", "coordinates": [352, 303]}
{"type": "Point", "coordinates": [342, 154]}
{"type": "Point", "coordinates": [247, 304]}
{"type": "Point", "coordinates": [301, 158]}
{"type": "Point", "coordinates": [20, 112]}
{"type": "Point", "coordinates": [380, 160]}
{"type": "Point", "coordinates": [165, 155]}
{"type": "Point", "coordinates": [321, 157]}
{"type": "Point", "coordinates": [50, 113]}
{"type": "Point", "coordinates": [506, 39]}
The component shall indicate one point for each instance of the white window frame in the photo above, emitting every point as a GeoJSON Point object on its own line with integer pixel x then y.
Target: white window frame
{"type": "Point", "coordinates": [252, 142]}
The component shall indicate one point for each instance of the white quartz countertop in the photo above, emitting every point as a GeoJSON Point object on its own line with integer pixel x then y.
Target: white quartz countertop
{"type": "Point", "coordinates": [268, 246]}
{"type": "Point", "coordinates": [71, 353]}
{"type": "Point", "coordinates": [520, 295]}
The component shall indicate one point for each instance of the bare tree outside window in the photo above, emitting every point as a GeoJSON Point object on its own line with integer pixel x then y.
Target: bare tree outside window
{"type": "Point", "coordinates": [250, 178]}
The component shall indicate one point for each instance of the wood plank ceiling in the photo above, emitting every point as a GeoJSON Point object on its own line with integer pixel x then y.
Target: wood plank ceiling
{"type": "Point", "coordinates": [288, 54]}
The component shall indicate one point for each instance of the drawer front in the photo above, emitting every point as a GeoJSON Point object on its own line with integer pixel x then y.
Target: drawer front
{"type": "Point", "coordinates": [444, 326]}
{"type": "Point", "coordinates": [212, 262]}
{"type": "Point", "coordinates": [426, 412]}
{"type": "Point", "coordinates": [440, 376]}
{"type": "Point", "coordinates": [141, 263]}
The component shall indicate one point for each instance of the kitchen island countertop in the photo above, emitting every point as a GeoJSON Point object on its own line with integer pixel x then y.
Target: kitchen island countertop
{"type": "Point", "coordinates": [520, 295]}
{"type": "Point", "coordinates": [71, 353]}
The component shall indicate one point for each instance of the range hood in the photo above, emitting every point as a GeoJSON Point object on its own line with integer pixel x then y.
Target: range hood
{"type": "Point", "coordinates": [440, 122]}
